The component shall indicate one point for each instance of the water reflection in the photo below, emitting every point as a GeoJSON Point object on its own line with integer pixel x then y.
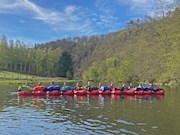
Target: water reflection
{"type": "Point", "coordinates": [90, 100]}
{"type": "Point", "coordinates": [91, 114]}
{"type": "Point", "coordinates": [95, 112]}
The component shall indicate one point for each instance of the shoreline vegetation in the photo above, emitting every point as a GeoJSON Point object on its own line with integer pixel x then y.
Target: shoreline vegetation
{"type": "Point", "coordinates": [18, 78]}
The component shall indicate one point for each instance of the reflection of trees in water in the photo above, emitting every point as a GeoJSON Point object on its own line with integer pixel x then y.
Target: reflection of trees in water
{"type": "Point", "coordinates": [36, 102]}
{"type": "Point", "coordinates": [77, 108]}
{"type": "Point", "coordinates": [82, 102]}
{"type": "Point", "coordinates": [24, 101]}
{"type": "Point", "coordinates": [39, 102]}
{"type": "Point", "coordinates": [92, 111]}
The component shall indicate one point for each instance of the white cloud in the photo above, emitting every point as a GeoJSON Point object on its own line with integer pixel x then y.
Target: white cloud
{"type": "Point", "coordinates": [105, 17]}
{"type": "Point", "coordinates": [64, 21]}
{"type": "Point", "coordinates": [147, 7]}
{"type": "Point", "coordinates": [78, 20]}
{"type": "Point", "coordinates": [81, 20]}
{"type": "Point", "coordinates": [138, 6]}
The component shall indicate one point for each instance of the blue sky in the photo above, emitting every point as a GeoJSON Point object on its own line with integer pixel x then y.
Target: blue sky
{"type": "Point", "coordinates": [40, 21]}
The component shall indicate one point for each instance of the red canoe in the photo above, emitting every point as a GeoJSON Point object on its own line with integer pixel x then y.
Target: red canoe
{"type": "Point", "coordinates": [139, 92]}
{"type": "Point", "coordinates": [128, 92]}
{"type": "Point", "coordinates": [159, 92]}
{"type": "Point", "coordinates": [69, 92]}
{"type": "Point", "coordinates": [53, 93]}
{"type": "Point", "coordinates": [24, 93]}
{"type": "Point", "coordinates": [106, 92]}
{"type": "Point", "coordinates": [80, 92]}
{"type": "Point", "coordinates": [38, 93]}
{"type": "Point", "coordinates": [116, 92]}
{"type": "Point", "coordinates": [93, 92]}
{"type": "Point", "coordinates": [148, 92]}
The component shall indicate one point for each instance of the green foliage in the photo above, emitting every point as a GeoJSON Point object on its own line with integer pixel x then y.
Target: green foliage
{"type": "Point", "coordinates": [125, 71]}
{"type": "Point", "coordinates": [17, 57]}
{"type": "Point", "coordinates": [65, 65]}
{"type": "Point", "coordinates": [69, 75]}
{"type": "Point", "coordinates": [91, 74]}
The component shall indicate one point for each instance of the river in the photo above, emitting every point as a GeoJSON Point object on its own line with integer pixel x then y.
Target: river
{"type": "Point", "coordinates": [132, 115]}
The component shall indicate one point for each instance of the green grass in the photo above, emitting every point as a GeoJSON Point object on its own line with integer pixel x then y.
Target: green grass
{"type": "Point", "coordinates": [18, 78]}
{"type": "Point", "coordinates": [13, 75]}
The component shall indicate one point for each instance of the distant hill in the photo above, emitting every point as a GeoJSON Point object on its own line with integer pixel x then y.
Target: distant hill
{"type": "Point", "coordinates": [146, 50]}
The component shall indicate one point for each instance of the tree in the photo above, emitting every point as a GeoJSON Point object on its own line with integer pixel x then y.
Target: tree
{"type": "Point", "coordinates": [65, 65]}
{"type": "Point", "coordinates": [4, 52]}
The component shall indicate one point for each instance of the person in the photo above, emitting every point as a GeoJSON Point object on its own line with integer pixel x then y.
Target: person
{"type": "Point", "coordinates": [27, 83]}
{"type": "Point", "coordinates": [112, 87]}
{"type": "Point", "coordinates": [25, 87]}
{"type": "Point", "coordinates": [53, 87]}
{"type": "Point", "coordinates": [65, 87]}
{"type": "Point", "coordinates": [130, 86]}
{"type": "Point", "coordinates": [50, 88]}
{"type": "Point", "coordinates": [52, 83]}
{"type": "Point", "coordinates": [40, 87]}
{"type": "Point", "coordinates": [65, 84]}
{"type": "Point", "coordinates": [39, 84]}
{"type": "Point", "coordinates": [139, 87]}
{"type": "Point", "coordinates": [88, 86]}
{"type": "Point", "coordinates": [151, 87]}
{"type": "Point", "coordinates": [123, 88]}
{"type": "Point", "coordinates": [77, 86]}
{"type": "Point", "coordinates": [99, 85]}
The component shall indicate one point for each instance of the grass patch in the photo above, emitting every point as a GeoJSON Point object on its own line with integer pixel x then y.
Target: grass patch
{"type": "Point", "coordinates": [14, 75]}
{"type": "Point", "coordinates": [18, 78]}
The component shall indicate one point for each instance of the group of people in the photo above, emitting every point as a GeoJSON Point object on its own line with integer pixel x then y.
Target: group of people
{"type": "Point", "coordinates": [122, 88]}
{"type": "Point", "coordinates": [101, 87]}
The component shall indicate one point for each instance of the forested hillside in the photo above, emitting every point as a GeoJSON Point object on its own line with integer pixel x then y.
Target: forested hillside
{"type": "Point", "coordinates": [146, 50]}
{"type": "Point", "coordinates": [149, 50]}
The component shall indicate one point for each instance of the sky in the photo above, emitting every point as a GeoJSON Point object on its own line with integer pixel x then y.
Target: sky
{"type": "Point", "coordinates": [41, 21]}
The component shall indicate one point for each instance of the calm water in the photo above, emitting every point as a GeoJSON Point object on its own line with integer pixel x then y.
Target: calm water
{"type": "Point", "coordinates": [143, 115]}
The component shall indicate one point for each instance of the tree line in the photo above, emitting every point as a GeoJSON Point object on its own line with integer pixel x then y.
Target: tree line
{"type": "Point", "coordinates": [18, 57]}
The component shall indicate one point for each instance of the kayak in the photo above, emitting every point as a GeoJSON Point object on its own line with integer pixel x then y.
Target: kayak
{"type": "Point", "coordinates": [69, 92]}
{"type": "Point", "coordinates": [139, 92]}
{"type": "Point", "coordinates": [106, 92]}
{"type": "Point", "coordinates": [148, 92]}
{"type": "Point", "coordinates": [24, 93]}
{"type": "Point", "coordinates": [53, 93]}
{"type": "Point", "coordinates": [128, 92]}
{"type": "Point", "coordinates": [93, 92]}
{"type": "Point", "coordinates": [159, 92]}
{"type": "Point", "coordinates": [80, 92]}
{"type": "Point", "coordinates": [38, 93]}
{"type": "Point", "coordinates": [116, 92]}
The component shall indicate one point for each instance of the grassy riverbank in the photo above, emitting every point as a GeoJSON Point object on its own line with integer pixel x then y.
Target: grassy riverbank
{"type": "Point", "coordinates": [18, 78]}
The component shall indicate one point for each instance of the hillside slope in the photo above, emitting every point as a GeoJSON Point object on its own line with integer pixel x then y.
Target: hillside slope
{"type": "Point", "coordinates": [147, 50]}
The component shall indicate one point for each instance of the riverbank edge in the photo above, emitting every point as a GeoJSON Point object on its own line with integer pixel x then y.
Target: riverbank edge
{"type": "Point", "coordinates": [6, 82]}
